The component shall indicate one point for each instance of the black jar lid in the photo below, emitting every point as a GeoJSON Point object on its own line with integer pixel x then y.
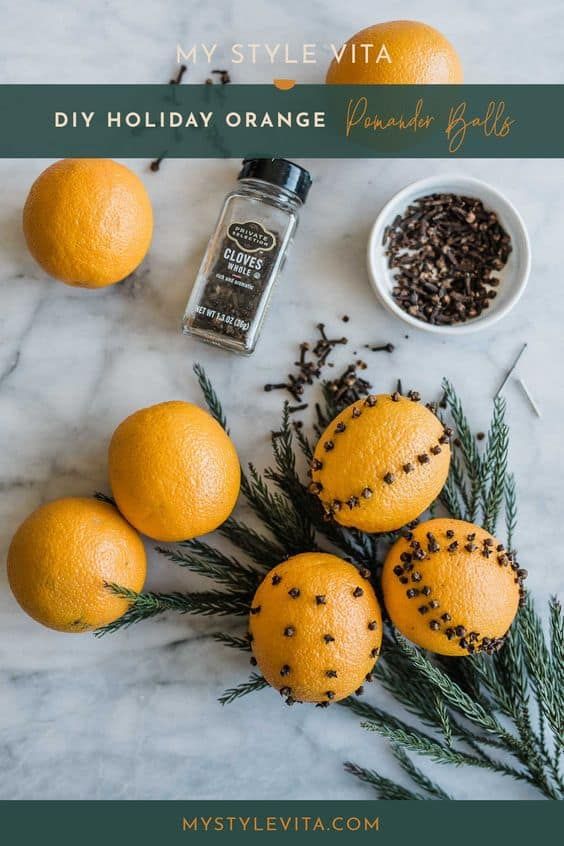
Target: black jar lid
{"type": "Point", "coordinates": [279, 172]}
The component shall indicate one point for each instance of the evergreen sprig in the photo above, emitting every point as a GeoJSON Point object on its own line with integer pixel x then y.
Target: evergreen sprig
{"type": "Point", "coordinates": [233, 641]}
{"type": "Point", "coordinates": [256, 682]}
{"type": "Point", "coordinates": [224, 569]}
{"type": "Point", "coordinates": [384, 787]}
{"type": "Point", "coordinates": [150, 604]}
{"type": "Point", "coordinates": [416, 776]}
{"type": "Point", "coordinates": [502, 713]}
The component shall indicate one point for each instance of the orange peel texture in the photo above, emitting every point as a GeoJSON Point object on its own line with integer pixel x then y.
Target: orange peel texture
{"type": "Point", "coordinates": [88, 222]}
{"type": "Point", "coordinates": [418, 54]}
{"type": "Point", "coordinates": [64, 555]}
{"type": "Point", "coordinates": [174, 471]}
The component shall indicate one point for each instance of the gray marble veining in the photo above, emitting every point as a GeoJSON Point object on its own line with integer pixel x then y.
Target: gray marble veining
{"type": "Point", "coordinates": [135, 715]}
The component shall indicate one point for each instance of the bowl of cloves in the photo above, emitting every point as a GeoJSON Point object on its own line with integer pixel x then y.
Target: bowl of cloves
{"type": "Point", "coordinates": [449, 254]}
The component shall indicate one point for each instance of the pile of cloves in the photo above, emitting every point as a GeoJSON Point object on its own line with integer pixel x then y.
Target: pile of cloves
{"type": "Point", "coordinates": [313, 357]}
{"type": "Point", "coordinates": [349, 386]}
{"type": "Point", "coordinates": [446, 250]}
{"type": "Point", "coordinates": [346, 388]}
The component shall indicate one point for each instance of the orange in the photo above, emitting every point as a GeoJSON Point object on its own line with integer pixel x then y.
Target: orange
{"type": "Point", "coordinates": [381, 462]}
{"type": "Point", "coordinates": [417, 54]}
{"type": "Point", "coordinates": [174, 471]}
{"type": "Point", "coordinates": [62, 557]}
{"type": "Point", "coordinates": [452, 588]}
{"type": "Point", "coordinates": [315, 628]}
{"type": "Point", "coordinates": [88, 222]}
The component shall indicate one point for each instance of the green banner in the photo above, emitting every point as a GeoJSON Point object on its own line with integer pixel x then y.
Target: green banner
{"type": "Point", "coordinates": [312, 121]}
{"type": "Point", "coordinates": [382, 823]}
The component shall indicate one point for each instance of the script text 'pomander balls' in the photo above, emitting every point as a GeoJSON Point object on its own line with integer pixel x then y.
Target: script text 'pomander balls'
{"type": "Point", "coordinates": [418, 54]}
{"type": "Point", "coordinates": [381, 462]}
{"type": "Point", "coordinates": [174, 471]}
{"type": "Point", "coordinates": [88, 222]}
{"type": "Point", "coordinates": [64, 555]}
{"type": "Point", "coordinates": [452, 588]}
{"type": "Point", "coordinates": [315, 628]}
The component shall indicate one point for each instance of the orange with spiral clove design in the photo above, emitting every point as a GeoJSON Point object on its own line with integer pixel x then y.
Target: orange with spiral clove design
{"type": "Point", "coordinates": [452, 588]}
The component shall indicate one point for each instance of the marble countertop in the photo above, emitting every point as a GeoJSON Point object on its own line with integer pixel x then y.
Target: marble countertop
{"type": "Point", "coordinates": [135, 715]}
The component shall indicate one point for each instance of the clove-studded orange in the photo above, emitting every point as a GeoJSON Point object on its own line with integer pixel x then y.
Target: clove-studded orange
{"type": "Point", "coordinates": [452, 588]}
{"type": "Point", "coordinates": [381, 462]}
{"type": "Point", "coordinates": [315, 628]}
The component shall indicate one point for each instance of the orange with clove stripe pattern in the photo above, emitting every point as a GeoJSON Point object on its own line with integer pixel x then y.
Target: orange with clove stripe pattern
{"type": "Point", "coordinates": [381, 462]}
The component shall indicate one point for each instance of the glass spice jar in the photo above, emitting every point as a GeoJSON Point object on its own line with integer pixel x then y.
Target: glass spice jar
{"type": "Point", "coordinates": [245, 254]}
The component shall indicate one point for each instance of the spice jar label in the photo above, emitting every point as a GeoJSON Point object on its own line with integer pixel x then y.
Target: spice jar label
{"type": "Point", "coordinates": [251, 236]}
{"type": "Point", "coordinates": [237, 280]}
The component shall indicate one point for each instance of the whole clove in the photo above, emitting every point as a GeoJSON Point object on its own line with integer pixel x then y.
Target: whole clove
{"type": "Point", "coordinates": [223, 75]}
{"type": "Point", "coordinates": [176, 80]}
{"type": "Point", "coordinates": [156, 164]}
{"type": "Point", "coordinates": [389, 348]}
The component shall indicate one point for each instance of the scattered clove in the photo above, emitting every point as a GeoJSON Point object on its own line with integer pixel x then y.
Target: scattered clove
{"type": "Point", "coordinates": [156, 163]}
{"type": "Point", "coordinates": [389, 348]}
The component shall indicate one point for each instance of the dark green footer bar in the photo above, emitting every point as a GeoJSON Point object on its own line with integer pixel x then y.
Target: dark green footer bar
{"type": "Point", "coordinates": [159, 822]}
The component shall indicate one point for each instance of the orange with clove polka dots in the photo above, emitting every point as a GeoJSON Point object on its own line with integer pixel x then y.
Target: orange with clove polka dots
{"type": "Point", "coordinates": [315, 628]}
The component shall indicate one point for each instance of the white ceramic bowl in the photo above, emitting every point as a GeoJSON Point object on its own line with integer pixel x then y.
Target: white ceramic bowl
{"type": "Point", "coordinates": [514, 275]}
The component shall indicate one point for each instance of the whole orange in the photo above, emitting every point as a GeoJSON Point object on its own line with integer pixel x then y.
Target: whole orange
{"type": "Point", "coordinates": [174, 472]}
{"type": "Point", "coordinates": [315, 628]}
{"type": "Point", "coordinates": [63, 556]}
{"type": "Point", "coordinates": [380, 463]}
{"type": "Point", "coordinates": [451, 587]}
{"type": "Point", "coordinates": [88, 222]}
{"type": "Point", "coordinates": [402, 53]}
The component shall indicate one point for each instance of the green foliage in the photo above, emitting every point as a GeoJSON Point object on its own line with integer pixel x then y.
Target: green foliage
{"type": "Point", "coordinates": [150, 604]}
{"type": "Point", "coordinates": [201, 558]}
{"type": "Point", "coordinates": [416, 776]}
{"type": "Point", "coordinates": [102, 497]}
{"type": "Point", "coordinates": [501, 713]}
{"type": "Point", "coordinates": [212, 400]}
{"type": "Point", "coordinates": [385, 788]}
{"type": "Point", "coordinates": [233, 641]}
{"type": "Point", "coordinates": [255, 683]}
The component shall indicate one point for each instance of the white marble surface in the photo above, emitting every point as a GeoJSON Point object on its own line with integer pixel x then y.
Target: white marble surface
{"type": "Point", "coordinates": [135, 716]}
